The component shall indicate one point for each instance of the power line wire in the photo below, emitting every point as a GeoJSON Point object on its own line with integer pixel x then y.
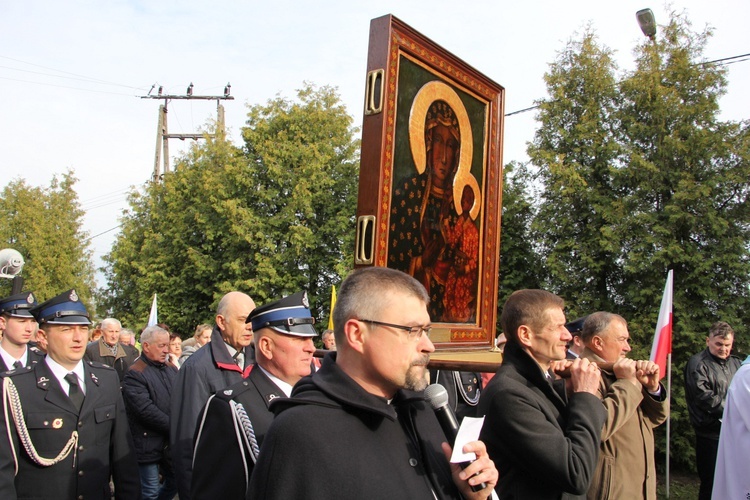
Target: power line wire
{"type": "Point", "coordinates": [96, 80]}
{"type": "Point", "coordinates": [721, 61]}
{"type": "Point", "coordinates": [102, 233]}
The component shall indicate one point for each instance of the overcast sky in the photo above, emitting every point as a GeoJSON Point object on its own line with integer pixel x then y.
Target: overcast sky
{"type": "Point", "coordinates": [72, 72]}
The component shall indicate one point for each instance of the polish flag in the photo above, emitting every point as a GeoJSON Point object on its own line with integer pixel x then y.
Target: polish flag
{"type": "Point", "coordinates": [662, 345]}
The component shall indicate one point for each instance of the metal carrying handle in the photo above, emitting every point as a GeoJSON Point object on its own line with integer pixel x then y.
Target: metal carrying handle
{"type": "Point", "coordinates": [365, 240]}
{"type": "Point", "coordinates": [374, 90]}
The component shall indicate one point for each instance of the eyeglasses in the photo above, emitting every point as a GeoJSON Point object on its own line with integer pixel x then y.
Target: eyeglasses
{"type": "Point", "coordinates": [412, 332]}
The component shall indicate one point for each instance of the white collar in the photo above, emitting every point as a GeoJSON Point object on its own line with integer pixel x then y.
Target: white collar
{"type": "Point", "coordinates": [285, 387]}
{"type": "Point", "coordinates": [10, 360]}
{"type": "Point", "coordinates": [60, 371]}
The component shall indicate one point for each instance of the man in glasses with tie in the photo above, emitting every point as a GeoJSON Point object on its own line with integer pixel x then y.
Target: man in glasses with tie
{"type": "Point", "coordinates": [66, 433]}
{"type": "Point", "coordinates": [18, 327]}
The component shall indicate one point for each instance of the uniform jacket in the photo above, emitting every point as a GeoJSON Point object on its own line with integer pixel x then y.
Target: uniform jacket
{"type": "Point", "coordinates": [121, 361]}
{"type": "Point", "coordinates": [210, 369]}
{"type": "Point", "coordinates": [147, 390]}
{"type": "Point", "coordinates": [333, 439]}
{"type": "Point", "coordinates": [707, 379]}
{"type": "Point", "coordinates": [544, 444]}
{"type": "Point", "coordinates": [626, 468]}
{"type": "Point", "coordinates": [33, 357]}
{"type": "Point", "coordinates": [463, 388]}
{"type": "Point", "coordinates": [224, 443]}
{"type": "Point", "coordinates": [105, 447]}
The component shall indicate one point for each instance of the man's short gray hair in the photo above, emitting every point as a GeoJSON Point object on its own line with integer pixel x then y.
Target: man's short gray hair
{"type": "Point", "coordinates": [148, 335]}
{"type": "Point", "coordinates": [110, 321]}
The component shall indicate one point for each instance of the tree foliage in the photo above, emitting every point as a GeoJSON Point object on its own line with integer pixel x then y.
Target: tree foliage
{"type": "Point", "coordinates": [638, 176]}
{"type": "Point", "coordinates": [44, 225]}
{"type": "Point", "coordinates": [269, 219]}
{"type": "Point", "coordinates": [521, 265]}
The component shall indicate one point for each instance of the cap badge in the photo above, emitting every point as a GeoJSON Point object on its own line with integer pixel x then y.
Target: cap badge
{"type": "Point", "coordinates": [30, 298]}
{"type": "Point", "coordinates": [305, 302]}
{"type": "Point", "coordinates": [73, 296]}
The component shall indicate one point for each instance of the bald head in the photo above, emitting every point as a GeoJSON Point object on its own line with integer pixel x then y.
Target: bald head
{"type": "Point", "coordinates": [231, 314]}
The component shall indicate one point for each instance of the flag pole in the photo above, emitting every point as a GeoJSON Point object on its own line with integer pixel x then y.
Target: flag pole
{"type": "Point", "coordinates": [669, 412]}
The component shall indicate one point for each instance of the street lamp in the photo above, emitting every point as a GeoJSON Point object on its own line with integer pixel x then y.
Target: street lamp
{"type": "Point", "coordinates": [647, 22]}
{"type": "Point", "coordinates": [11, 263]}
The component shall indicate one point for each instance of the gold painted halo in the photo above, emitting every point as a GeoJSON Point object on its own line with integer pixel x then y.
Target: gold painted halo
{"type": "Point", "coordinates": [439, 91]}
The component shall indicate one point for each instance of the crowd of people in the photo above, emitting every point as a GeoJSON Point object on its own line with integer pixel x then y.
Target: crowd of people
{"type": "Point", "coordinates": [243, 410]}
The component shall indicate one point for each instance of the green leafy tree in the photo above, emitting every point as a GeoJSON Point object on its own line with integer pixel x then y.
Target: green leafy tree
{"type": "Point", "coordinates": [305, 166]}
{"type": "Point", "coordinates": [640, 176]}
{"type": "Point", "coordinates": [520, 264]}
{"type": "Point", "coordinates": [685, 202]}
{"type": "Point", "coordinates": [268, 219]}
{"type": "Point", "coordinates": [44, 225]}
{"type": "Point", "coordinates": [575, 150]}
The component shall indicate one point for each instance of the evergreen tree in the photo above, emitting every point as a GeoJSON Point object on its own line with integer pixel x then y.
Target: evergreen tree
{"type": "Point", "coordinates": [575, 150]}
{"type": "Point", "coordinates": [520, 263]}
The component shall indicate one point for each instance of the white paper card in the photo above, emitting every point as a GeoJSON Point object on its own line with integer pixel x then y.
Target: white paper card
{"type": "Point", "coordinates": [468, 432]}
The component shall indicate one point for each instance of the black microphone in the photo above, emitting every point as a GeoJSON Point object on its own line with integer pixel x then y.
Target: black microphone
{"type": "Point", "coordinates": [437, 396]}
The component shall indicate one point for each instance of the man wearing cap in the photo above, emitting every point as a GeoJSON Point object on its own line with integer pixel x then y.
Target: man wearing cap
{"type": "Point", "coordinates": [18, 327]}
{"type": "Point", "coordinates": [360, 426]}
{"type": "Point", "coordinates": [67, 433]}
{"type": "Point", "coordinates": [224, 361]}
{"type": "Point", "coordinates": [575, 346]}
{"type": "Point", "coordinates": [236, 419]}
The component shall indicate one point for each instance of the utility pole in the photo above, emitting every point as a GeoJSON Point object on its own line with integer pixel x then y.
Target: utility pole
{"type": "Point", "coordinates": [162, 128]}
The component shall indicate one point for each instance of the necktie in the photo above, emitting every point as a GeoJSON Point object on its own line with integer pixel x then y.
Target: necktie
{"type": "Point", "coordinates": [75, 394]}
{"type": "Point", "coordinates": [240, 359]}
{"type": "Point", "coordinates": [17, 365]}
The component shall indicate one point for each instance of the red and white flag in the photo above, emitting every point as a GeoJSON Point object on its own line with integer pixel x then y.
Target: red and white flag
{"type": "Point", "coordinates": [662, 345]}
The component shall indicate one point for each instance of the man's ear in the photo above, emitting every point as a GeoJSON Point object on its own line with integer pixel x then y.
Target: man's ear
{"type": "Point", "coordinates": [355, 335]}
{"type": "Point", "coordinates": [264, 344]}
{"type": "Point", "coordinates": [597, 343]}
{"type": "Point", "coordinates": [3, 322]}
{"type": "Point", "coordinates": [525, 335]}
{"type": "Point", "coordinates": [221, 322]}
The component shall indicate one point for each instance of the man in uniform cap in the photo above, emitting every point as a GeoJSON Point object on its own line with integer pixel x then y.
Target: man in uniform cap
{"type": "Point", "coordinates": [575, 346]}
{"type": "Point", "coordinates": [67, 432]}
{"type": "Point", "coordinates": [283, 352]}
{"type": "Point", "coordinates": [18, 327]}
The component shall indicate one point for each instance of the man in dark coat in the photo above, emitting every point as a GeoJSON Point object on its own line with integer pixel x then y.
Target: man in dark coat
{"type": "Point", "coordinates": [109, 351]}
{"type": "Point", "coordinates": [18, 327]}
{"type": "Point", "coordinates": [360, 426]}
{"type": "Point", "coordinates": [544, 439]}
{"type": "Point", "coordinates": [707, 378]}
{"type": "Point", "coordinates": [71, 416]}
{"type": "Point", "coordinates": [237, 418]}
{"type": "Point", "coordinates": [147, 390]}
{"type": "Point", "coordinates": [224, 361]}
